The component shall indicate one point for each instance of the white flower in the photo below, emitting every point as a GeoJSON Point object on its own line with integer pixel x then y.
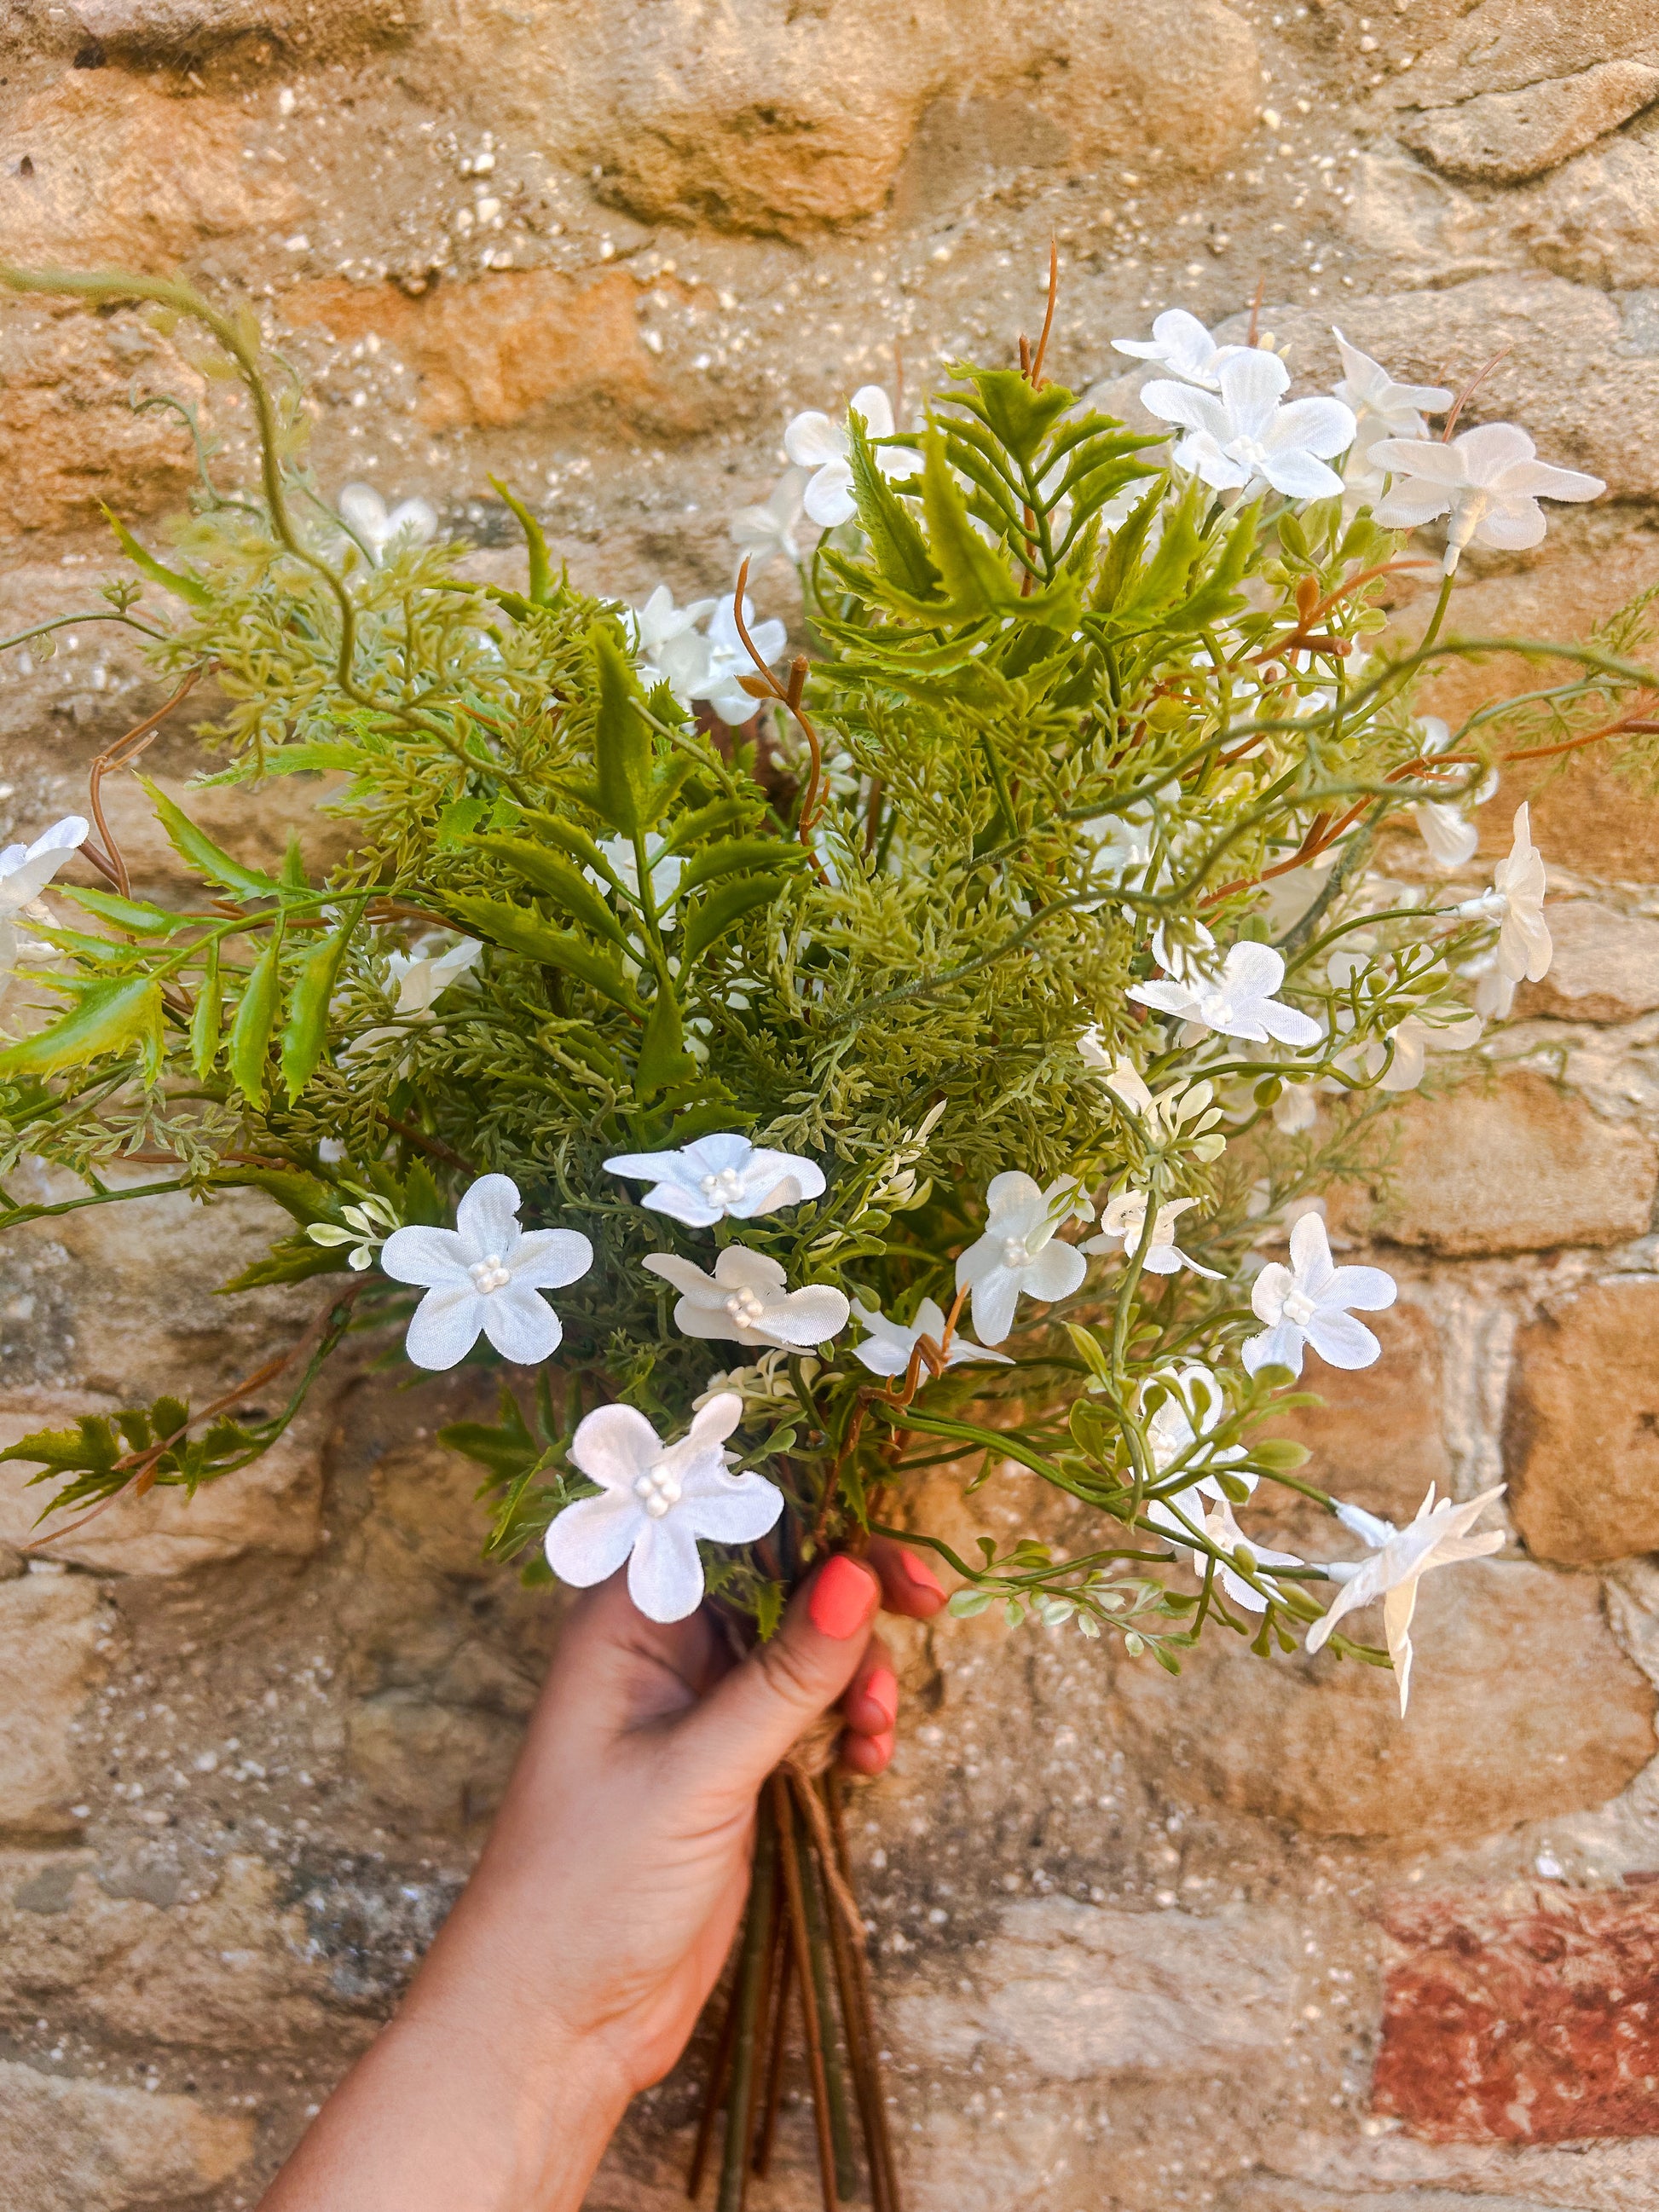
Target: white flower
{"type": "Point", "coordinates": [888, 1348]}
{"type": "Point", "coordinates": [664, 869]}
{"type": "Point", "coordinates": [1244, 437]}
{"type": "Point", "coordinates": [655, 1501]}
{"type": "Point", "coordinates": [1123, 1221]}
{"type": "Point", "coordinates": [25, 871]}
{"type": "Point", "coordinates": [1438, 1537]}
{"type": "Point", "coordinates": [1295, 1109]}
{"type": "Point", "coordinates": [1238, 1002]}
{"type": "Point", "coordinates": [363, 510]}
{"type": "Point", "coordinates": [745, 1300]}
{"type": "Point", "coordinates": [1017, 1254]}
{"type": "Point", "coordinates": [667, 647]}
{"type": "Point", "coordinates": [1488, 481]}
{"type": "Point", "coordinates": [813, 441]}
{"type": "Point", "coordinates": [1382, 408]}
{"type": "Point", "coordinates": [1494, 993]}
{"type": "Point", "coordinates": [1181, 342]}
{"type": "Point", "coordinates": [767, 533]}
{"type": "Point", "coordinates": [1449, 834]}
{"type": "Point", "coordinates": [422, 979]}
{"type": "Point", "coordinates": [714, 1176]}
{"type": "Point", "coordinates": [730, 659]}
{"type": "Point", "coordinates": [1413, 1039]}
{"type": "Point", "coordinates": [1307, 1302]}
{"type": "Point", "coordinates": [1515, 902]}
{"type": "Point", "coordinates": [484, 1274]}
{"type": "Point", "coordinates": [1219, 1526]}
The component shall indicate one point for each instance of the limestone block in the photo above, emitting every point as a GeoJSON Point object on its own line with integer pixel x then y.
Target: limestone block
{"type": "Point", "coordinates": [1506, 45]}
{"type": "Point", "coordinates": [71, 2146]}
{"type": "Point", "coordinates": [50, 1627]}
{"type": "Point", "coordinates": [1581, 1435]}
{"type": "Point", "coordinates": [435, 1768]}
{"type": "Point", "coordinates": [1510, 1658]}
{"type": "Point", "coordinates": [1530, 2023]}
{"type": "Point", "coordinates": [514, 346]}
{"type": "Point", "coordinates": [1501, 137]}
{"type": "Point", "coordinates": [1077, 1991]}
{"type": "Point", "coordinates": [274, 1505]}
{"type": "Point", "coordinates": [185, 30]}
{"type": "Point", "coordinates": [120, 175]}
{"type": "Point", "coordinates": [1606, 967]}
{"type": "Point", "coordinates": [1595, 218]}
{"type": "Point", "coordinates": [1521, 1168]}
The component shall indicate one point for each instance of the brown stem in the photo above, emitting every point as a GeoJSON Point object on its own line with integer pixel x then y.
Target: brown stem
{"type": "Point", "coordinates": [817, 1933]}
{"type": "Point", "coordinates": [122, 754]}
{"type": "Point", "coordinates": [1470, 390]}
{"type": "Point", "coordinates": [791, 697]}
{"type": "Point", "coordinates": [774, 2096]}
{"type": "Point", "coordinates": [1035, 372]}
{"type": "Point", "coordinates": [751, 1972]}
{"type": "Point", "coordinates": [784, 1819]}
{"type": "Point", "coordinates": [883, 2172]}
{"type": "Point", "coordinates": [720, 2066]}
{"type": "Point", "coordinates": [1255, 309]}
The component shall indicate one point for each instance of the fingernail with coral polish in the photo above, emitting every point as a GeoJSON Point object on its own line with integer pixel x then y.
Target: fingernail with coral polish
{"type": "Point", "coordinates": [920, 1576]}
{"type": "Point", "coordinates": [881, 1690]}
{"type": "Point", "coordinates": [843, 1598]}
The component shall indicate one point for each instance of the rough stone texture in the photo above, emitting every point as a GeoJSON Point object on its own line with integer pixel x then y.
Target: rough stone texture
{"type": "Point", "coordinates": [1582, 1433]}
{"type": "Point", "coordinates": [51, 1627]}
{"type": "Point", "coordinates": [1533, 2025]}
{"type": "Point", "coordinates": [1495, 1734]}
{"type": "Point", "coordinates": [79, 2146]}
{"type": "Point", "coordinates": [1130, 1932]}
{"type": "Point", "coordinates": [1520, 1167]}
{"type": "Point", "coordinates": [1606, 967]}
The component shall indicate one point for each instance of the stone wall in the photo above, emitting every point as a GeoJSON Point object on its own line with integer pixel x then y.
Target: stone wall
{"type": "Point", "coordinates": [1244, 1941]}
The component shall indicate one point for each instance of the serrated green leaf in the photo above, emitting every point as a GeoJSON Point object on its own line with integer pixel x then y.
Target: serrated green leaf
{"type": "Point", "coordinates": [460, 818]}
{"type": "Point", "coordinates": [707, 821]}
{"type": "Point", "coordinates": [710, 919]}
{"type": "Point", "coordinates": [134, 914]}
{"type": "Point", "coordinates": [1019, 416]}
{"type": "Point", "coordinates": [555, 879]}
{"type": "Point", "coordinates": [207, 859]}
{"type": "Point", "coordinates": [737, 856]}
{"type": "Point", "coordinates": [554, 829]}
{"type": "Point", "coordinates": [975, 579]}
{"type": "Point", "coordinates": [205, 1021]}
{"type": "Point", "coordinates": [188, 588]}
{"type": "Point", "coordinates": [622, 738]}
{"type": "Point", "coordinates": [110, 1016]}
{"type": "Point", "coordinates": [541, 565]}
{"type": "Point", "coordinates": [520, 930]}
{"type": "Point", "coordinates": [897, 544]}
{"type": "Point", "coordinates": [663, 1057]}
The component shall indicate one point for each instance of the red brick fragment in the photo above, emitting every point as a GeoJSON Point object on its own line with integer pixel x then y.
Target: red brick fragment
{"type": "Point", "coordinates": [1522, 2027]}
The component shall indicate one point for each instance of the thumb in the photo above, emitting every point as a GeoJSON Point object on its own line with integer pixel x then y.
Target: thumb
{"type": "Point", "coordinates": [747, 1722]}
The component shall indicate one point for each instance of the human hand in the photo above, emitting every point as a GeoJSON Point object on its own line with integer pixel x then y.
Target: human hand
{"type": "Point", "coordinates": [572, 1971]}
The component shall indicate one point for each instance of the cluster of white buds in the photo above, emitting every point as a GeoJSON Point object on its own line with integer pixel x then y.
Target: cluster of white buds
{"type": "Point", "coordinates": [370, 1225]}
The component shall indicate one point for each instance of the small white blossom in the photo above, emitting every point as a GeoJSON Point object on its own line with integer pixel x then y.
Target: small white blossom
{"type": "Point", "coordinates": [422, 978]}
{"type": "Point", "coordinates": [1242, 436]}
{"type": "Point", "coordinates": [1382, 409]}
{"type": "Point", "coordinates": [484, 1274]}
{"type": "Point", "coordinates": [1219, 1526]}
{"type": "Point", "coordinates": [1414, 1038]}
{"type": "Point", "coordinates": [729, 658]}
{"type": "Point", "coordinates": [1488, 481]}
{"type": "Point", "coordinates": [765, 533]}
{"type": "Point", "coordinates": [765, 1386]}
{"type": "Point", "coordinates": [25, 871]}
{"type": "Point", "coordinates": [1236, 1002]}
{"type": "Point", "coordinates": [813, 441]}
{"type": "Point", "coordinates": [1295, 1109]}
{"type": "Point", "coordinates": [717, 1176]}
{"type": "Point", "coordinates": [1516, 902]}
{"type": "Point", "coordinates": [1438, 1537]}
{"type": "Point", "coordinates": [1124, 1219]}
{"type": "Point", "coordinates": [1181, 344]}
{"type": "Point", "coordinates": [1017, 1255]}
{"type": "Point", "coordinates": [364, 513]}
{"type": "Point", "coordinates": [745, 1300]}
{"type": "Point", "coordinates": [655, 1501]}
{"type": "Point", "coordinates": [1449, 834]}
{"type": "Point", "coordinates": [888, 1348]}
{"type": "Point", "coordinates": [1308, 1302]}
{"type": "Point", "coordinates": [369, 1226]}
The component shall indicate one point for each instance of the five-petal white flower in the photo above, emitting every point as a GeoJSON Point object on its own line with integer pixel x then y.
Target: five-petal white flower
{"type": "Point", "coordinates": [765, 533]}
{"type": "Point", "coordinates": [714, 1176]}
{"type": "Point", "coordinates": [1238, 1002]}
{"type": "Point", "coordinates": [1124, 1219]}
{"type": "Point", "coordinates": [667, 646]}
{"type": "Point", "coordinates": [888, 1348]}
{"type": "Point", "coordinates": [1181, 342]}
{"type": "Point", "coordinates": [1516, 902]}
{"type": "Point", "coordinates": [1488, 481]}
{"type": "Point", "coordinates": [1308, 1302]}
{"type": "Point", "coordinates": [745, 1300]}
{"type": "Point", "coordinates": [655, 1501]}
{"type": "Point", "coordinates": [1242, 435]}
{"type": "Point", "coordinates": [813, 441]}
{"type": "Point", "coordinates": [25, 871]}
{"type": "Point", "coordinates": [1017, 1255]}
{"type": "Point", "coordinates": [484, 1274]}
{"type": "Point", "coordinates": [365, 514]}
{"type": "Point", "coordinates": [1438, 1537]}
{"type": "Point", "coordinates": [1382, 409]}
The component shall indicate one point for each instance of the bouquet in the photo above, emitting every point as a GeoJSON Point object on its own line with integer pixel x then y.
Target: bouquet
{"type": "Point", "coordinates": [939, 1028]}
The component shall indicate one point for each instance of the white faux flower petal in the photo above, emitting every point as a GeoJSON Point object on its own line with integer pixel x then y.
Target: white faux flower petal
{"type": "Point", "coordinates": [613, 1447]}
{"type": "Point", "coordinates": [445, 1326]}
{"type": "Point", "coordinates": [488, 1215]}
{"type": "Point", "coordinates": [592, 1539]}
{"type": "Point", "coordinates": [720, 1176]}
{"type": "Point", "coordinates": [665, 1575]}
{"type": "Point", "coordinates": [26, 869]}
{"type": "Point", "coordinates": [548, 1259]}
{"type": "Point", "coordinates": [430, 1257]}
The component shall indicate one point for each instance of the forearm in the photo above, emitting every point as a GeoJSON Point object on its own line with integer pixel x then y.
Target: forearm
{"type": "Point", "coordinates": [460, 2106]}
